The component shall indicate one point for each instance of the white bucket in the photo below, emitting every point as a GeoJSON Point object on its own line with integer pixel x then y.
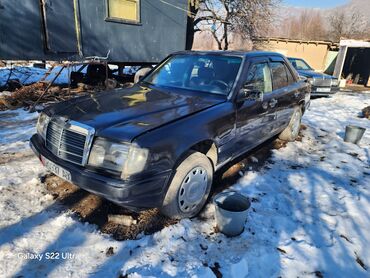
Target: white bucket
{"type": "Point", "coordinates": [231, 212]}
{"type": "Point", "coordinates": [354, 134]}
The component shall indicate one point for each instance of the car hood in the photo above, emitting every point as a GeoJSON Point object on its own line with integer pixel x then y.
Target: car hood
{"type": "Point", "coordinates": [124, 114]}
{"type": "Point", "coordinates": [314, 74]}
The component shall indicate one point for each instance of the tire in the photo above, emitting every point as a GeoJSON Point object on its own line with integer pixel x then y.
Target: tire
{"type": "Point", "coordinates": [290, 133]}
{"type": "Point", "coordinates": [190, 187]}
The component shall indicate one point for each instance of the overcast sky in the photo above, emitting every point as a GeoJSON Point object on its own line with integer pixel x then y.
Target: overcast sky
{"type": "Point", "coordinates": [316, 3]}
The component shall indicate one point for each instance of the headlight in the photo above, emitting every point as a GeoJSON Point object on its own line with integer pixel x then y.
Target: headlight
{"type": "Point", "coordinates": [128, 159]}
{"type": "Point", "coordinates": [310, 80]}
{"type": "Point", "coordinates": [42, 124]}
{"type": "Point", "coordinates": [334, 82]}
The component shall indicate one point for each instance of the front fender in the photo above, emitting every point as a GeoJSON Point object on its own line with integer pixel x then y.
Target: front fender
{"type": "Point", "coordinates": [168, 144]}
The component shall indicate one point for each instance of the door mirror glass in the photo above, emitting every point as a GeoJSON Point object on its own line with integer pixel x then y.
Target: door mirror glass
{"type": "Point", "coordinates": [303, 78]}
{"type": "Point", "coordinates": [257, 83]}
{"type": "Point", "coordinates": [249, 93]}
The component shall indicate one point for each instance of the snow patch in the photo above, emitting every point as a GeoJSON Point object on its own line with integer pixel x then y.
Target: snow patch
{"type": "Point", "coordinates": [309, 214]}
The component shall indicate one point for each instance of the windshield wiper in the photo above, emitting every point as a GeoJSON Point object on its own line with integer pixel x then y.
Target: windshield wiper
{"type": "Point", "coordinates": [146, 82]}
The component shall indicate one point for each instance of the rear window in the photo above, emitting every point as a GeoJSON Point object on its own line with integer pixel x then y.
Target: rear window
{"type": "Point", "coordinates": [279, 75]}
{"type": "Point", "coordinates": [291, 79]}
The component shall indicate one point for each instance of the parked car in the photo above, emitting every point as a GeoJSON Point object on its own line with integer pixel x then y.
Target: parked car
{"type": "Point", "coordinates": [321, 84]}
{"type": "Point", "coordinates": [159, 143]}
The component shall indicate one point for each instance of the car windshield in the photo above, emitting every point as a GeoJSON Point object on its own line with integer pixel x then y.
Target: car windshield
{"type": "Point", "coordinates": [206, 73]}
{"type": "Point", "coordinates": [299, 64]}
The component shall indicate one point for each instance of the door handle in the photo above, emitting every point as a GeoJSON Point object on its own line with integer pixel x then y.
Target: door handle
{"type": "Point", "coordinates": [273, 103]}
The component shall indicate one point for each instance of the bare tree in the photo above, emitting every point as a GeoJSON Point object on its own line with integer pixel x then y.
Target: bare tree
{"type": "Point", "coordinates": [317, 29]}
{"type": "Point", "coordinates": [254, 18]}
{"type": "Point", "coordinates": [316, 24]}
{"type": "Point", "coordinates": [222, 17]}
{"type": "Point", "coordinates": [193, 8]}
{"type": "Point", "coordinates": [349, 24]}
{"type": "Point", "coordinates": [215, 16]}
{"type": "Point", "coordinates": [307, 24]}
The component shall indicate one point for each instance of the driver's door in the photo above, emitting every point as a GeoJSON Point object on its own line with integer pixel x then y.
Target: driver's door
{"type": "Point", "coordinates": [251, 115]}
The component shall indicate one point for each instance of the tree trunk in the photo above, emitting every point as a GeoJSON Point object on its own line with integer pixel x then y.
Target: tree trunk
{"type": "Point", "coordinates": [190, 26]}
{"type": "Point", "coordinates": [226, 36]}
{"type": "Point", "coordinates": [190, 33]}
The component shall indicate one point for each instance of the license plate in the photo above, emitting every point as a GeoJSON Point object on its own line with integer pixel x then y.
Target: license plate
{"type": "Point", "coordinates": [56, 169]}
{"type": "Point", "coordinates": [323, 90]}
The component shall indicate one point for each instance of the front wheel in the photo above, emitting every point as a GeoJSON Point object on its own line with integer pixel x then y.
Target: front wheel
{"type": "Point", "coordinates": [189, 188]}
{"type": "Point", "coordinates": [290, 133]}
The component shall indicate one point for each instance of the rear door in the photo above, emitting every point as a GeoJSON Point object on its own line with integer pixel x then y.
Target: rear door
{"type": "Point", "coordinates": [60, 25]}
{"type": "Point", "coordinates": [284, 95]}
{"type": "Point", "coordinates": [252, 116]}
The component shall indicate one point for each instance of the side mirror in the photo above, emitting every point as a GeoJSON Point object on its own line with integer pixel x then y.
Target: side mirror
{"type": "Point", "coordinates": [303, 78]}
{"type": "Point", "coordinates": [248, 93]}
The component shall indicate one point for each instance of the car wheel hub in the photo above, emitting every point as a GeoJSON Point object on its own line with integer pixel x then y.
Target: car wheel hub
{"type": "Point", "coordinates": [192, 189]}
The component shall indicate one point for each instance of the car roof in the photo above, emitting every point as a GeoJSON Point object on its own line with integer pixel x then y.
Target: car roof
{"type": "Point", "coordinates": [295, 58]}
{"type": "Point", "coordinates": [246, 54]}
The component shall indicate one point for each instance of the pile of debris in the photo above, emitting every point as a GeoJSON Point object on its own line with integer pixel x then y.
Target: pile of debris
{"type": "Point", "coordinates": [111, 219]}
{"type": "Point", "coordinates": [366, 112]}
{"type": "Point", "coordinates": [42, 92]}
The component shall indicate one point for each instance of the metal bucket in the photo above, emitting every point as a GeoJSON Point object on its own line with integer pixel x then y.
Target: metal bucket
{"type": "Point", "coordinates": [231, 212]}
{"type": "Point", "coordinates": [353, 134]}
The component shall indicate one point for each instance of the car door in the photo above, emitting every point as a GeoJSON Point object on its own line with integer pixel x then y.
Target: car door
{"type": "Point", "coordinates": [251, 114]}
{"type": "Point", "coordinates": [285, 91]}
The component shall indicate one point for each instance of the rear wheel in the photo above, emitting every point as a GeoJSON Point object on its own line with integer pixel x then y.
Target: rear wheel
{"type": "Point", "coordinates": [189, 188]}
{"type": "Point", "coordinates": [290, 133]}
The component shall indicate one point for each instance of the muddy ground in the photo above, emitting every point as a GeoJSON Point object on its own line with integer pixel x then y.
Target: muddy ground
{"type": "Point", "coordinates": [95, 210]}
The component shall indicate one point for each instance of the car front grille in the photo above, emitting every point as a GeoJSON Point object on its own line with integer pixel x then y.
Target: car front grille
{"type": "Point", "coordinates": [70, 141]}
{"type": "Point", "coordinates": [322, 82]}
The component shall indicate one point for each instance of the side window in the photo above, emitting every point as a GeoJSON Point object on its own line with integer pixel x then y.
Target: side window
{"type": "Point", "coordinates": [291, 79]}
{"type": "Point", "coordinates": [300, 65]}
{"type": "Point", "coordinates": [259, 78]}
{"type": "Point", "coordinates": [279, 75]}
{"type": "Point", "coordinates": [124, 10]}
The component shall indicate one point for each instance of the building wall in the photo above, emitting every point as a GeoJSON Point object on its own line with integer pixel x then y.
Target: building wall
{"type": "Point", "coordinates": [315, 54]}
{"type": "Point", "coordinates": [20, 30]}
{"type": "Point", "coordinates": [205, 41]}
{"type": "Point", "coordinates": [162, 30]}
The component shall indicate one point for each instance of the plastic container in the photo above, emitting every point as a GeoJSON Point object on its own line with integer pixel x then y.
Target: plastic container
{"type": "Point", "coordinates": [231, 212]}
{"type": "Point", "coordinates": [353, 134]}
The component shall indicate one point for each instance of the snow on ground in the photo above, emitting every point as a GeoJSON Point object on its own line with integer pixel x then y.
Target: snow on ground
{"type": "Point", "coordinates": [16, 128]}
{"type": "Point", "coordinates": [28, 75]}
{"type": "Point", "coordinates": [310, 214]}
